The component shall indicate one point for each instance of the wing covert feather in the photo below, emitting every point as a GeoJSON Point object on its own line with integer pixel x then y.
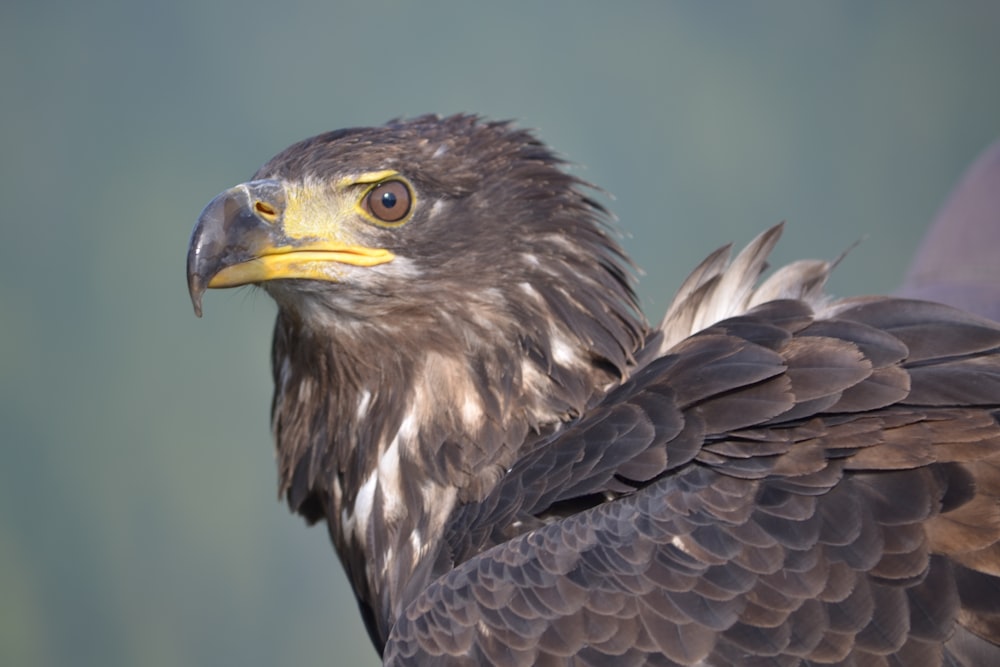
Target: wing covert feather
{"type": "Point", "coordinates": [777, 489]}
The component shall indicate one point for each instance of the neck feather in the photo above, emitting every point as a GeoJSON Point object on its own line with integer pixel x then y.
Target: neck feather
{"type": "Point", "coordinates": [385, 434]}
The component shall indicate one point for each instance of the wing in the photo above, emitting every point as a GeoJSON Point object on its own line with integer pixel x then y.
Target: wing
{"type": "Point", "coordinates": [777, 489]}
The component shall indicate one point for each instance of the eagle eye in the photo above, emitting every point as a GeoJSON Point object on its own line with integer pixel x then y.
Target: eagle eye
{"type": "Point", "coordinates": [388, 201]}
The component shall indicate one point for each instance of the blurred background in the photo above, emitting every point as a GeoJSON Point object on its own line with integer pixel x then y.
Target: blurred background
{"type": "Point", "coordinates": [138, 516]}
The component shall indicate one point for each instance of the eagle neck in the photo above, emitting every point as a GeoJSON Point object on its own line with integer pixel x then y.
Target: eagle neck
{"type": "Point", "coordinates": [384, 432]}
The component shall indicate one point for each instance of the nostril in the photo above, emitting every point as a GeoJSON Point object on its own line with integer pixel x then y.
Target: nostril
{"type": "Point", "coordinates": [265, 209]}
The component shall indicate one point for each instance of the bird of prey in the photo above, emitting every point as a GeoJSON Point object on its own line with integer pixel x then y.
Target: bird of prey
{"type": "Point", "coordinates": [516, 468]}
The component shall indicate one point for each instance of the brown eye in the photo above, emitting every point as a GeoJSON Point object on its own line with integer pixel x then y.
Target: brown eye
{"type": "Point", "coordinates": [389, 201]}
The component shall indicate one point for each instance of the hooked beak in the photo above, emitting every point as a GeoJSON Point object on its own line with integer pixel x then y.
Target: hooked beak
{"type": "Point", "coordinates": [239, 239]}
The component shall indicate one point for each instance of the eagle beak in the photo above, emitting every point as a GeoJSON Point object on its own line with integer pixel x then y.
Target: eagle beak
{"type": "Point", "coordinates": [240, 239]}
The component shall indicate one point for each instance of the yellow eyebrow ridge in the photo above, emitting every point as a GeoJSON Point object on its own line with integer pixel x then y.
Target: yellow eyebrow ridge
{"type": "Point", "coordinates": [367, 177]}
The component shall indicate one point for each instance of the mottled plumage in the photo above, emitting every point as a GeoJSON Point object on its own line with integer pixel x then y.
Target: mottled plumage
{"type": "Point", "coordinates": [516, 469]}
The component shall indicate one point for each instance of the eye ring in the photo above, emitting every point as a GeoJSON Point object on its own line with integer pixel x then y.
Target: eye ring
{"type": "Point", "coordinates": [389, 201]}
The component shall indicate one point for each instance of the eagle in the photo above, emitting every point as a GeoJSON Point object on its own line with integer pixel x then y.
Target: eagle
{"type": "Point", "coordinates": [516, 468]}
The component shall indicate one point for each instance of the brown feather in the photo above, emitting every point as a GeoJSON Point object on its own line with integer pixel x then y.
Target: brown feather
{"type": "Point", "coordinates": [516, 469]}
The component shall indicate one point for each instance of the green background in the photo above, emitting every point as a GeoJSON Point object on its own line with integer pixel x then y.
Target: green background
{"type": "Point", "coordinates": [138, 516]}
